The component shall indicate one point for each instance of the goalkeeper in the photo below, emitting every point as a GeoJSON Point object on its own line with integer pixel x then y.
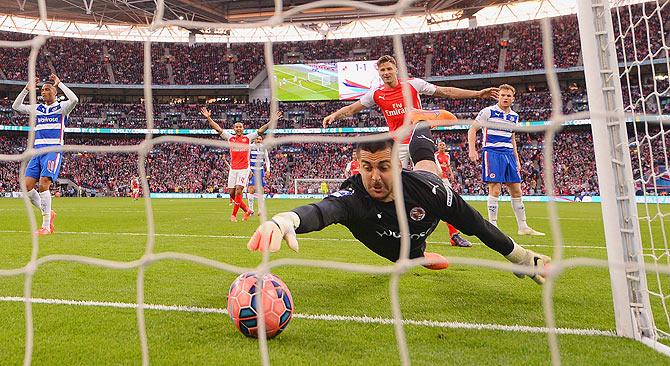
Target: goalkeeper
{"type": "Point", "coordinates": [365, 206]}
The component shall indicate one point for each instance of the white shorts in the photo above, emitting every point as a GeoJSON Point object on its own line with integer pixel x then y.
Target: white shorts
{"type": "Point", "coordinates": [136, 190]}
{"type": "Point", "coordinates": [238, 177]}
{"type": "Point", "coordinates": [403, 155]}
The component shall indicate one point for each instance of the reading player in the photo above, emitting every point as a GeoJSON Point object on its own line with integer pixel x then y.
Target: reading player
{"type": "Point", "coordinates": [239, 159]}
{"type": "Point", "coordinates": [391, 101]}
{"type": "Point", "coordinates": [365, 205]}
{"type": "Point", "coordinates": [500, 159]}
{"type": "Point", "coordinates": [51, 119]}
{"type": "Point", "coordinates": [260, 167]}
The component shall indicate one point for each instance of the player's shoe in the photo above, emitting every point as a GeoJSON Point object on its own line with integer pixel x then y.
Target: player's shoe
{"type": "Point", "coordinates": [52, 218]}
{"type": "Point", "coordinates": [247, 214]}
{"type": "Point", "coordinates": [529, 231]}
{"type": "Point", "coordinates": [233, 218]}
{"type": "Point", "coordinates": [458, 241]}
{"type": "Point", "coordinates": [43, 231]}
{"type": "Point", "coordinates": [439, 262]}
{"type": "Point", "coordinates": [538, 263]}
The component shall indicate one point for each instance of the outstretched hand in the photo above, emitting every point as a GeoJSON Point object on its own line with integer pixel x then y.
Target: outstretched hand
{"type": "Point", "coordinates": [270, 234]}
{"type": "Point", "coordinates": [54, 79]}
{"type": "Point", "coordinates": [489, 93]}
{"type": "Point", "coordinates": [206, 112]}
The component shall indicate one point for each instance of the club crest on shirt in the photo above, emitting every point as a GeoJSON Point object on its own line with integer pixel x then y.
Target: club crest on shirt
{"type": "Point", "coordinates": [417, 213]}
{"type": "Point", "coordinates": [342, 193]}
{"type": "Point", "coordinates": [492, 175]}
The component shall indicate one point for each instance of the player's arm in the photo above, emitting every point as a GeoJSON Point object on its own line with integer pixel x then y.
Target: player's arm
{"type": "Point", "coordinates": [516, 153]}
{"type": "Point", "coordinates": [458, 93]}
{"type": "Point", "coordinates": [267, 162]}
{"type": "Point", "coordinates": [303, 219]}
{"type": "Point", "coordinates": [265, 127]}
{"type": "Point", "coordinates": [208, 114]}
{"type": "Point", "coordinates": [72, 99]}
{"type": "Point", "coordinates": [343, 112]}
{"type": "Point", "coordinates": [347, 170]}
{"type": "Point", "coordinates": [18, 102]}
{"type": "Point", "coordinates": [472, 136]}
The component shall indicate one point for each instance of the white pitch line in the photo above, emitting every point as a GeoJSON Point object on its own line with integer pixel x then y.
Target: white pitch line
{"type": "Point", "coordinates": [326, 317]}
{"type": "Point", "coordinates": [247, 237]}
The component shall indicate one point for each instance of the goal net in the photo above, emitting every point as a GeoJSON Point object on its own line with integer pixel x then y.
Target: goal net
{"type": "Point", "coordinates": [318, 78]}
{"type": "Point", "coordinates": [629, 107]}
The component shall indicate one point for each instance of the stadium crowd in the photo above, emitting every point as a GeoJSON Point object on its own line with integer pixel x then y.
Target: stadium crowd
{"type": "Point", "coordinates": [446, 53]}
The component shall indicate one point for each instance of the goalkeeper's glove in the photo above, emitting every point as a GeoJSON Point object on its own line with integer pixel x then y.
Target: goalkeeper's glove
{"type": "Point", "coordinates": [270, 233]}
{"type": "Point", "coordinates": [525, 257]}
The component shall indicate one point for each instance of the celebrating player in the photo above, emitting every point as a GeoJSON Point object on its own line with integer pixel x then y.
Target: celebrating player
{"type": "Point", "coordinates": [365, 205]}
{"type": "Point", "coordinates": [51, 119]}
{"type": "Point", "coordinates": [239, 159]}
{"type": "Point", "coordinates": [443, 161]}
{"type": "Point", "coordinates": [500, 157]}
{"type": "Point", "coordinates": [391, 101]}
{"type": "Point", "coordinates": [352, 167]}
{"type": "Point", "coordinates": [260, 166]}
{"type": "Point", "coordinates": [135, 188]}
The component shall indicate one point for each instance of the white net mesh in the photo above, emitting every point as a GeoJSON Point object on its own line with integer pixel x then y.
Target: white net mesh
{"type": "Point", "coordinates": [649, 146]}
{"type": "Point", "coordinates": [642, 45]}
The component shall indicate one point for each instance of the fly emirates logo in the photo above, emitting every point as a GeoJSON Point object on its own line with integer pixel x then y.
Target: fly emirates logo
{"type": "Point", "coordinates": [397, 110]}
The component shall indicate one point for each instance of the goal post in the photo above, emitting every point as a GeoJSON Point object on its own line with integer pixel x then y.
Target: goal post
{"type": "Point", "coordinates": [632, 309]}
{"type": "Point", "coordinates": [330, 181]}
{"type": "Point", "coordinates": [322, 79]}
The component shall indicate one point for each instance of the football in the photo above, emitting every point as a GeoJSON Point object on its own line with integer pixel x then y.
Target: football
{"type": "Point", "coordinates": [243, 304]}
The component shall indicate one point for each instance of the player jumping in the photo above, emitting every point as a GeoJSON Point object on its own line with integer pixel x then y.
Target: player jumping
{"type": "Point", "coordinates": [260, 167]}
{"type": "Point", "coordinates": [239, 159]}
{"type": "Point", "coordinates": [500, 157]}
{"type": "Point", "coordinates": [365, 206]}
{"type": "Point", "coordinates": [51, 119]}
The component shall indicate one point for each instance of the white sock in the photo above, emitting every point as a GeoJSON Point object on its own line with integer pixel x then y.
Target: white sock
{"type": "Point", "coordinates": [45, 206]}
{"type": "Point", "coordinates": [250, 200]}
{"type": "Point", "coordinates": [492, 203]}
{"type": "Point", "coordinates": [519, 212]}
{"type": "Point", "coordinates": [35, 198]}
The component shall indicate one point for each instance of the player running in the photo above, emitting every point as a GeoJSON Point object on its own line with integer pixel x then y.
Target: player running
{"type": "Point", "coordinates": [443, 161]}
{"type": "Point", "coordinates": [135, 188]}
{"type": "Point", "coordinates": [391, 101]}
{"type": "Point", "coordinates": [260, 167]}
{"type": "Point", "coordinates": [500, 157]}
{"type": "Point", "coordinates": [51, 119]}
{"type": "Point", "coordinates": [365, 206]}
{"type": "Point", "coordinates": [239, 159]}
{"type": "Point", "coordinates": [352, 167]}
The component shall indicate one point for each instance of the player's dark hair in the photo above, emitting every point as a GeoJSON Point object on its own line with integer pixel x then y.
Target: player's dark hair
{"type": "Point", "coordinates": [374, 146]}
{"type": "Point", "coordinates": [385, 59]}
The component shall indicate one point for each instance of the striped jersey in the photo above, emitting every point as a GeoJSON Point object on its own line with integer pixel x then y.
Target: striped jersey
{"type": "Point", "coordinates": [259, 158]}
{"type": "Point", "coordinates": [498, 139]}
{"type": "Point", "coordinates": [50, 119]}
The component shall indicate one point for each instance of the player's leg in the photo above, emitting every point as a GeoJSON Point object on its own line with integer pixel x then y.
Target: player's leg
{"type": "Point", "coordinates": [520, 211]}
{"type": "Point", "coordinates": [455, 238]}
{"type": "Point", "coordinates": [241, 182]}
{"type": "Point", "coordinates": [494, 189]}
{"type": "Point", "coordinates": [251, 193]}
{"type": "Point", "coordinates": [403, 155]}
{"type": "Point", "coordinates": [32, 178]}
{"type": "Point", "coordinates": [232, 191]}
{"type": "Point", "coordinates": [50, 164]}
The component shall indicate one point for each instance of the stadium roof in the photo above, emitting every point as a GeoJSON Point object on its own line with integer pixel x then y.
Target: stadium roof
{"type": "Point", "coordinates": [223, 21]}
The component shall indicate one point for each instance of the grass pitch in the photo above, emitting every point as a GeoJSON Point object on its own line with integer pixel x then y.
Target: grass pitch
{"type": "Point", "coordinates": [293, 85]}
{"type": "Point", "coordinates": [115, 229]}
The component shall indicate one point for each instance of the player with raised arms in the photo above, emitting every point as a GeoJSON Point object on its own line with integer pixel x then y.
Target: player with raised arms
{"type": "Point", "coordinates": [135, 188]}
{"type": "Point", "coordinates": [260, 167]}
{"type": "Point", "coordinates": [391, 101]}
{"type": "Point", "coordinates": [500, 159]}
{"type": "Point", "coordinates": [239, 159]}
{"type": "Point", "coordinates": [51, 119]}
{"type": "Point", "coordinates": [365, 205]}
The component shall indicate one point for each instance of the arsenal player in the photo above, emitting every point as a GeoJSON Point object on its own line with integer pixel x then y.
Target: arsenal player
{"type": "Point", "coordinates": [443, 161]}
{"type": "Point", "coordinates": [239, 159]}
{"type": "Point", "coordinates": [352, 167]}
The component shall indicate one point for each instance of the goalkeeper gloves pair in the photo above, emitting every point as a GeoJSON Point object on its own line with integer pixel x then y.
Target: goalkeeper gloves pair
{"type": "Point", "coordinates": [271, 233]}
{"type": "Point", "coordinates": [536, 262]}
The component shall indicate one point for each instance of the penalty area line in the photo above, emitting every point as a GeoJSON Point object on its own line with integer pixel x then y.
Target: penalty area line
{"type": "Point", "coordinates": [326, 317]}
{"type": "Point", "coordinates": [247, 237]}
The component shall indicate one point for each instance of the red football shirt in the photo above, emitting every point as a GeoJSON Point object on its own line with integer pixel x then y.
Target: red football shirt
{"type": "Point", "coordinates": [392, 102]}
{"type": "Point", "coordinates": [353, 167]}
{"type": "Point", "coordinates": [443, 159]}
{"type": "Point", "coordinates": [239, 155]}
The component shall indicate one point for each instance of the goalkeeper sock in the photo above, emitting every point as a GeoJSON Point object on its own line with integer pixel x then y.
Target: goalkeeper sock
{"type": "Point", "coordinates": [35, 198]}
{"type": "Point", "coordinates": [45, 206]}
{"type": "Point", "coordinates": [492, 203]}
{"type": "Point", "coordinates": [519, 212]}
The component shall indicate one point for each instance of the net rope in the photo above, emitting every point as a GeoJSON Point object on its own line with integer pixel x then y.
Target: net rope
{"type": "Point", "coordinates": [642, 41]}
{"type": "Point", "coordinates": [394, 270]}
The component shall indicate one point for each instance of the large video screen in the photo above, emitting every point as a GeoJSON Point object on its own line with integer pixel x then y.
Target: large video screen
{"type": "Point", "coordinates": [325, 81]}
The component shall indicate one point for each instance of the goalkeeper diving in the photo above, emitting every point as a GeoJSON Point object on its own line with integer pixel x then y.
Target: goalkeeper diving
{"type": "Point", "coordinates": [365, 205]}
